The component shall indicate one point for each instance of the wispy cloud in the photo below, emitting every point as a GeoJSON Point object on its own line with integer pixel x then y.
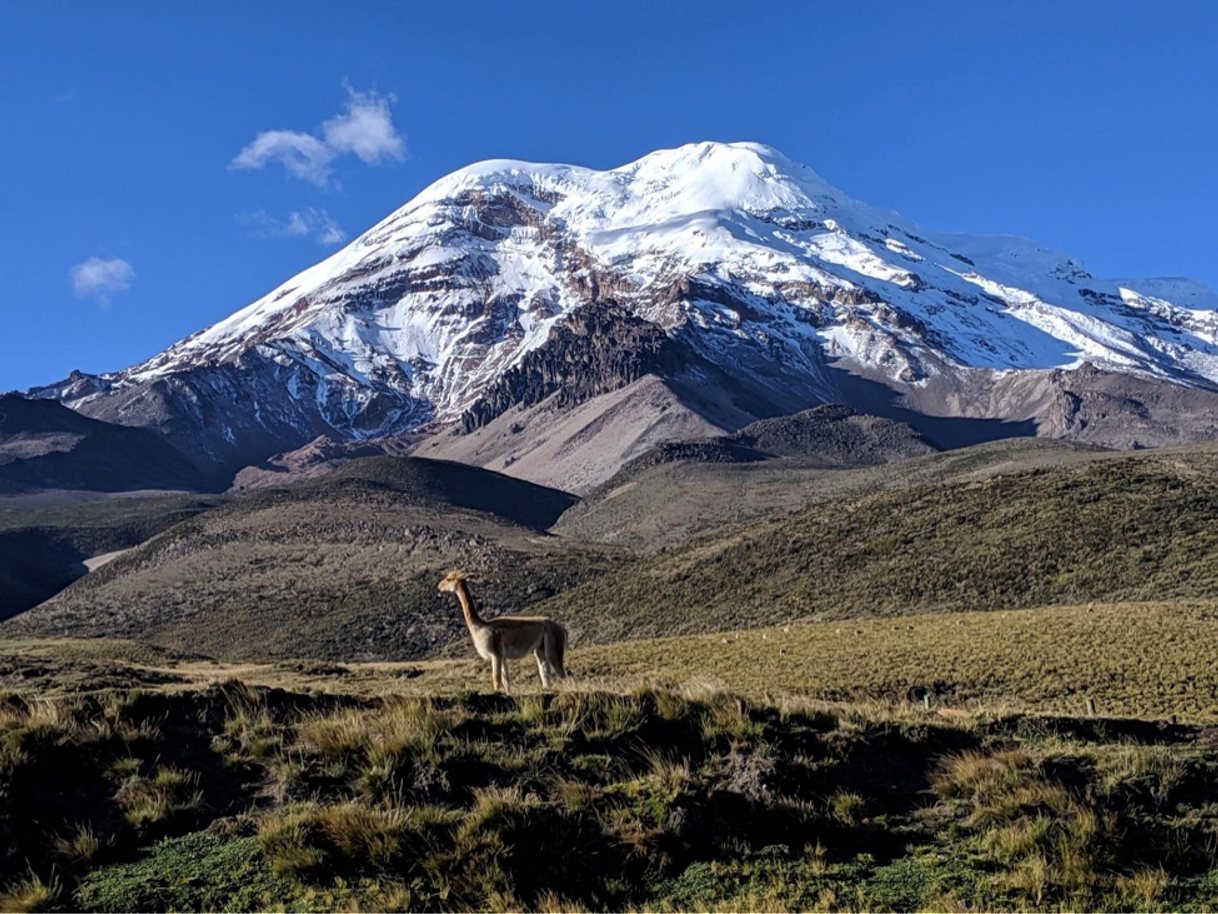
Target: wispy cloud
{"type": "Point", "coordinates": [302, 154]}
{"type": "Point", "coordinates": [298, 224]}
{"type": "Point", "coordinates": [364, 129]}
{"type": "Point", "coordinates": [100, 278]}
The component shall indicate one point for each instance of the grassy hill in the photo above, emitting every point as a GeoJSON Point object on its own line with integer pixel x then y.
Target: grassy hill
{"type": "Point", "coordinates": [1151, 660]}
{"type": "Point", "coordinates": [655, 503]}
{"type": "Point", "coordinates": [45, 539]}
{"type": "Point", "coordinates": [342, 567]}
{"type": "Point", "coordinates": [1141, 527]}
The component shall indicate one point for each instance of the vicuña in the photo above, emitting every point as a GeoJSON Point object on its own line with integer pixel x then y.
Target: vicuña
{"type": "Point", "coordinates": [510, 637]}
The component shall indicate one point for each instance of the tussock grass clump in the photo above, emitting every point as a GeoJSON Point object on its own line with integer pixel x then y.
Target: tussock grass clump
{"type": "Point", "coordinates": [250, 731]}
{"type": "Point", "coordinates": [157, 800]}
{"type": "Point", "coordinates": [122, 768]}
{"type": "Point", "coordinates": [1145, 888]}
{"type": "Point", "coordinates": [80, 846]}
{"type": "Point", "coordinates": [1053, 842]}
{"type": "Point", "coordinates": [307, 839]}
{"type": "Point", "coordinates": [288, 841]}
{"type": "Point", "coordinates": [493, 809]}
{"type": "Point", "coordinates": [1150, 771]}
{"type": "Point", "coordinates": [30, 893]}
{"type": "Point", "coordinates": [575, 796]}
{"type": "Point", "coordinates": [406, 727]}
{"type": "Point", "coordinates": [847, 807]}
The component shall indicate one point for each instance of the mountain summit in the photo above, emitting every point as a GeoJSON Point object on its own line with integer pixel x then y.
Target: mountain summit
{"type": "Point", "coordinates": [741, 279]}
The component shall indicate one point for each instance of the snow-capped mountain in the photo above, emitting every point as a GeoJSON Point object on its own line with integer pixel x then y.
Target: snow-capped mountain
{"type": "Point", "coordinates": [752, 263]}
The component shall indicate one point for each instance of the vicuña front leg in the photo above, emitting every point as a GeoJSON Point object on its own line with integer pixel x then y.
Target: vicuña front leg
{"type": "Point", "coordinates": [505, 677]}
{"type": "Point", "coordinates": [496, 674]}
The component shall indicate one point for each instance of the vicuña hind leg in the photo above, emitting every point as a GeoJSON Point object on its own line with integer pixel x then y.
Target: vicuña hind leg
{"type": "Point", "coordinates": [554, 655]}
{"type": "Point", "coordinates": [543, 667]}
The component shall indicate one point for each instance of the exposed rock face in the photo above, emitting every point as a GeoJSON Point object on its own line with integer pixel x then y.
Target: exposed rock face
{"type": "Point", "coordinates": [1126, 411]}
{"type": "Point", "coordinates": [835, 434]}
{"type": "Point", "coordinates": [598, 349]}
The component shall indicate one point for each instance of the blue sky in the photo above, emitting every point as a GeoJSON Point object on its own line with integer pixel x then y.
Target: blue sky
{"type": "Point", "coordinates": [127, 221]}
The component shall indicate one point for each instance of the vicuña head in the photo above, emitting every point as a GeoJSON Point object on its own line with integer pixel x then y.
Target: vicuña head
{"type": "Point", "coordinates": [510, 637]}
{"type": "Point", "coordinates": [449, 583]}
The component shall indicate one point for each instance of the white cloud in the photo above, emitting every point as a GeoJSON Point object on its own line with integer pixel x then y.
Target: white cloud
{"type": "Point", "coordinates": [303, 155]}
{"type": "Point", "coordinates": [299, 223]}
{"type": "Point", "coordinates": [100, 278]}
{"type": "Point", "coordinates": [329, 233]}
{"type": "Point", "coordinates": [365, 129]}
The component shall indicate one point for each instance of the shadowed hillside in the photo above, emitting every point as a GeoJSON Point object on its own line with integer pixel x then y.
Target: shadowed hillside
{"type": "Point", "coordinates": [46, 539]}
{"type": "Point", "coordinates": [341, 567]}
{"type": "Point", "coordinates": [44, 445]}
{"type": "Point", "coordinates": [443, 482]}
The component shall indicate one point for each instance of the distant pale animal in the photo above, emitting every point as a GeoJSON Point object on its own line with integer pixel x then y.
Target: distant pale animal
{"type": "Point", "coordinates": [510, 637]}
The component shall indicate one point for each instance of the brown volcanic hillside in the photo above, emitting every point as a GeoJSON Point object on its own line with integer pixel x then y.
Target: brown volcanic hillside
{"type": "Point", "coordinates": [44, 445]}
{"type": "Point", "coordinates": [1125, 528]}
{"type": "Point", "coordinates": [343, 567]}
{"type": "Point", "coordinates": [679, 491]}
{"type": "Point", "coordinates": [45, 539]}
{"type": "Point", "coordinates": [835, 434]}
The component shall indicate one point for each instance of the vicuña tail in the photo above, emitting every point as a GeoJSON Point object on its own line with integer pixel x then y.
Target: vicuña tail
{"type": "Point", "coordinates": [560, 649]}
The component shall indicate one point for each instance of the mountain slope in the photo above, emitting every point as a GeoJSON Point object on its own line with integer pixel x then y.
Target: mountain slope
{"type": "Point", "coordinates": [741, 260]}
{"type": "Point", "coordinates": [340, 567]}
{"type": "Point", "coordinates": [676, 492]}
{"type": "Point", "coordinates": [45, 542]}
{"type": "Point", "coordinates": [345, 567]}
{"type": "Point", "coordinates": [45, 446]}
{"type": "Point", "coordinates": [1121, 528]}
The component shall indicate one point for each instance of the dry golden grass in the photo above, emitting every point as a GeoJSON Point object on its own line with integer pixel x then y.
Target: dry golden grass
{"type": "Point", "coordinates": [1154, 660]}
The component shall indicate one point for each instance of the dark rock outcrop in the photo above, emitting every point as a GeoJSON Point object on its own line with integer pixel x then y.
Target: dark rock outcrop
{"type": "Point", "coordinates": [834, 433]}
{"type": "Point", "coordinates": [598, 349]}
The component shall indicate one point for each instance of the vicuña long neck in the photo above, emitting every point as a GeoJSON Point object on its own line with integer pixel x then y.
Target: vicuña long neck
{"type": "Point", "coordinates": [472, 619]}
